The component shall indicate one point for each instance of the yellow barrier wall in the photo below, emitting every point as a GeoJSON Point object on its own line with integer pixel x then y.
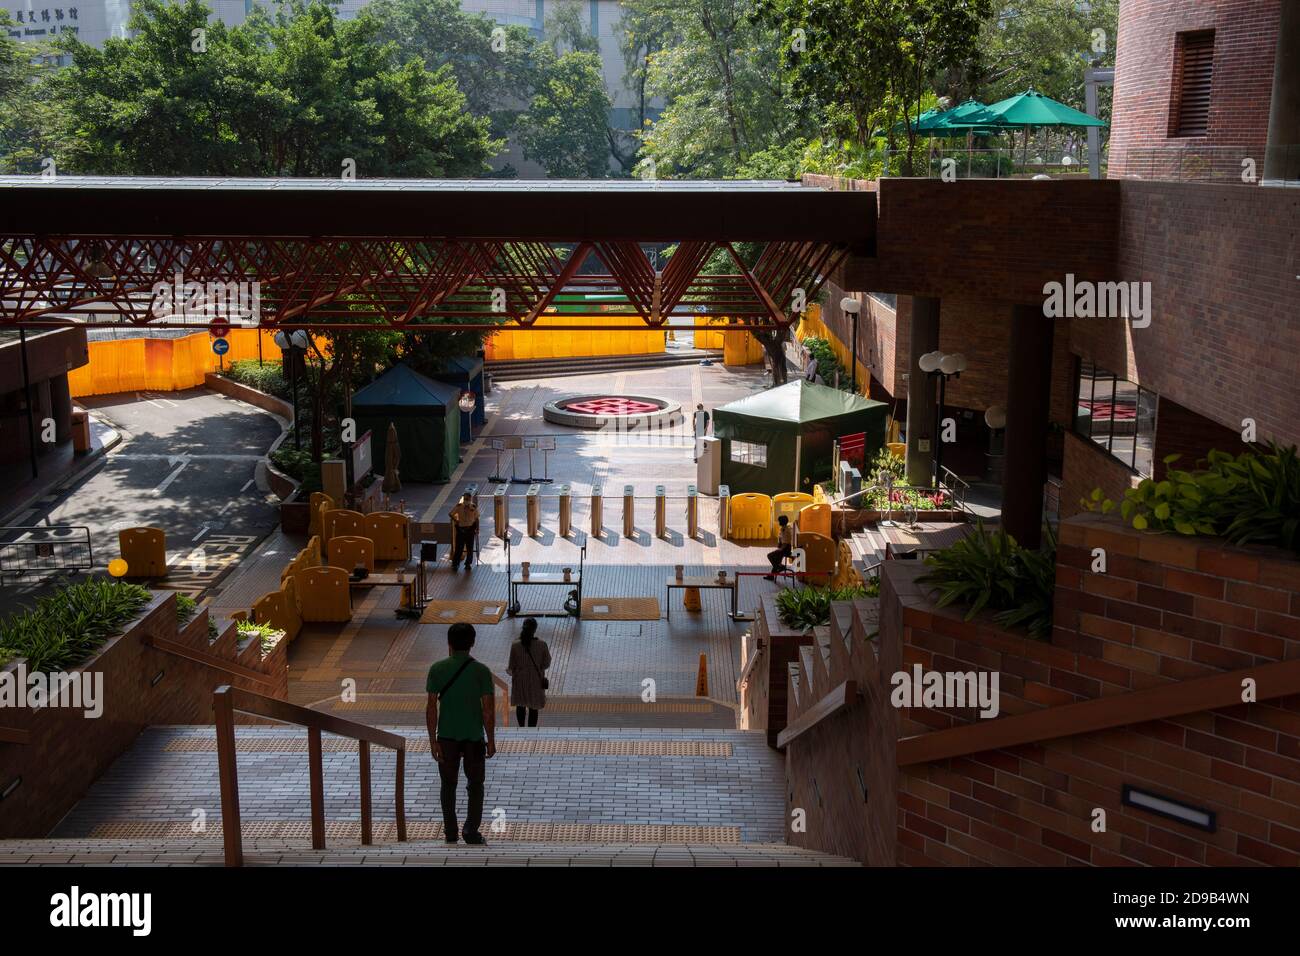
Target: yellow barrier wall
{"type": "Point", "coordinates": [812, 326]}
{"type": "Point", "coordinates": [162, 365]}
{"type": "Point", "coordinates": [741, 348]}
{"type": "Point", "coordinates": [510, 344]}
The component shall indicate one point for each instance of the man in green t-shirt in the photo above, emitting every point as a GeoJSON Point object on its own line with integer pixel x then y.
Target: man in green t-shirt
{"type": "Point", "coordinates": [459, 715]}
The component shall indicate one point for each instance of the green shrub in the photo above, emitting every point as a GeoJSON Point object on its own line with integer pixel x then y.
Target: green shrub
{"type": "Point", "coordinates": [827, 363]}
{"type": "Point", "coordinates": [297, 464]}
{"type": "Point", "coordinates": [185, 608]}
{"type": "Point", "coordinates": [1250, 499]}
{"type": "Point", "coordinates": [67, 627]}
{"type": "Point", "coordinates": [988, 569]}
{"type": "Point", "coordinates": [802, 608]}
{"type": "Point", "coordinates": [267, 378]}
{"type": "Point", "coordinates": [267, 634]}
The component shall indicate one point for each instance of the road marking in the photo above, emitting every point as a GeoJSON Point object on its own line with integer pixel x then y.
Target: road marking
{"type": "Point", "coordinates": [188, 456]}
{"type": "Point", "coordinates": [225, 507]}
{"type": "Point", "coordinates": [202, 531]}
{"type": "Point", "coordinates": [166, 482]}
{"type": "Point", "coordinates": [247, 485]}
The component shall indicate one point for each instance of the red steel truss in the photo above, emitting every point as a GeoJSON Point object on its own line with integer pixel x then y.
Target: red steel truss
{"type": "Point", "coordinates": [398, 282]}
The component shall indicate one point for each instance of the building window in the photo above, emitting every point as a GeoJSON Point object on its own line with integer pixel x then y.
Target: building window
{"type": "Point", "coordinates": [1194, 71]}
{"type": "Point", "coordinates": [749, 453]}
{"type": "Point", "coordinates": [1117, 415]}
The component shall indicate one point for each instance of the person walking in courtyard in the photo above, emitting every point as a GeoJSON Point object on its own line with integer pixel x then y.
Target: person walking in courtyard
{"type": "Point", "coordinates": [701, 427]}
{"type": "Point", "coordinates": [784, 547]}
{"type": "Point", "coordinates": [464, 525]}
{"type": "Point", "coordinates": [530, 658]}
{"type": "Point", "coordinates": [462, 729]}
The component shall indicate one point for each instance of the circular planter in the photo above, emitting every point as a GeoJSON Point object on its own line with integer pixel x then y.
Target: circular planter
{"type": "Point", "coordinates": [617, 411]}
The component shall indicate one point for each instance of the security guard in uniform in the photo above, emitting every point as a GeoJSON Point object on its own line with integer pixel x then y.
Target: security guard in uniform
{"type": "Point", "coordinates": [464, 524]}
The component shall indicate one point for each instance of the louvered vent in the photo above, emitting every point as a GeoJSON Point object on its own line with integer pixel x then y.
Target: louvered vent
{"type": "Point", "coordinates": [1196, 69]}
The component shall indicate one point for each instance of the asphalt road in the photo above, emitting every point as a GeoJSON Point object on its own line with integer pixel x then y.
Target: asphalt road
{"type": "Point", "coordinates": [187, 464]}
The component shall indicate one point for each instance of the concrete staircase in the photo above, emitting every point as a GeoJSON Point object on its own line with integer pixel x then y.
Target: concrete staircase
{"type": "Point", "coordinates": [555, 796]}
{"type": "Point", "coordinates": [506, 371]}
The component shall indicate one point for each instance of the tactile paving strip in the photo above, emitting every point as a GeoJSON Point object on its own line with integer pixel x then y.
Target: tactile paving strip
{"type": "Point", "coordinates": [386, 832]}
{"type": "Point", "coordinates": [554, 705]}
{"type": "Point", "coordinates": [508, 745]}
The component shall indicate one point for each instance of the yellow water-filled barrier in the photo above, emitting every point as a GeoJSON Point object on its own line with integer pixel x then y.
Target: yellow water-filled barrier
{"type": "Point", "coordinates": [819, 557]}
{"type": "Point", "coordinates": [317, 505]}
{"type": "Point", "coordinates": [751, 517]}
{"type": "Point", "coordinates": [145, 552]}
{"type": "Point", "coordinates": [741, 348]}
{"type": "Point", "coordinates": [338, 522]}
{"type": "Point", "coordinates": [279, 609]}
{"type": "Point", "coordinates": [348, 552]}
{"type": "Point", "coordinates": [790, 503]}
{"type": "Point", "coordinates": [816, 519]}
{"type": "Point", "coordinates": [391, 533]}
{"type": "Point", "coordinates": [325, 594]}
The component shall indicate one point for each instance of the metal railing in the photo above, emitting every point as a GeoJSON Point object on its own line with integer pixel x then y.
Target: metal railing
{"type": "Point", "coordinates": [45, 550]}
{"type": "Point", "coordinates": [1232, 165]}
{"type": "Point", "coordinates": [956, 487]}
{"type": "Point", "coordinates": [227, 701]}
{"type": "Point", "coordinates": [1000, 163]}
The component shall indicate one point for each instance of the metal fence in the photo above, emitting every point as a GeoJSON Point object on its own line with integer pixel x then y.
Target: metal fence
{"type": "Point", "coordinates": [44, 550]}
{"type": "Point", "coordinates": [1000, 163]}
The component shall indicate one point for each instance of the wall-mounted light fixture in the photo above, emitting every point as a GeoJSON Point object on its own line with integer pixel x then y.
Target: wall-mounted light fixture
{"type": "Point", "coordinates": [1169, 808]}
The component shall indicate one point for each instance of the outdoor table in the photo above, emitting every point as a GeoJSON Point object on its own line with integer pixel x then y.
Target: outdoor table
{"type": "Point", "coordinates": [704, 583]}
{"type": "Point", "coordinates": [541, 579]}
{"type": "Point", "coordinates": [390, 579]}
{"type": "Point", "coordinates": [902, 541]}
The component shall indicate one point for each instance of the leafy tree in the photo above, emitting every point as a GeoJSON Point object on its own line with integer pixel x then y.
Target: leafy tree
{"type": "Point", "coordinates": [718, 70]}
{"type": "Point", "coordinates": [293, 96]}
{"type": "Point", "coordinates": [29, 118]}
{"type": "Point", "coordinates": [566, 128]}
{"type": "Point", "coordinates": [863, 64]}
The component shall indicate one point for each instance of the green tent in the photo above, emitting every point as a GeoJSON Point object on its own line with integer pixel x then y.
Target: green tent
{"type": "Point", "coordinates": [427, 420]}
{"type": "Point", "coordinates": [783, 439]}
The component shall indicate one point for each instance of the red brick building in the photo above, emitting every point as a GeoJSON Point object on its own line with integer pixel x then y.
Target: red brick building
{"type": "Point", "coordinates": [1135, 702]}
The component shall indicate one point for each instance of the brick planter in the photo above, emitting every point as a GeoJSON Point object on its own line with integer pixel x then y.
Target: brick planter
{"type": "Point", "coordinates": [142, 686]}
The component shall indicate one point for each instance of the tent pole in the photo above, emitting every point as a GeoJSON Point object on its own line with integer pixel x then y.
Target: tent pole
{"type": "Point", "coordinates": [798, 455]}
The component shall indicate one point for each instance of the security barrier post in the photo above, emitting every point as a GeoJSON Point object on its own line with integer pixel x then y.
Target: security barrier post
{"type": "Point", "coordinates": [566, 511]}
{"type": "Point", "coordinates": [661, 512]}
{"type": "Point", "coordinates": [597, 512]}
{"type": "Point", "coordinates": [629, 512]}
{"type": "Point", "coordinates": [724, 511]}
{"type": "Point", "coordinates": [533, 502]}
{"type": "Point", "coordinates": [692, 512]}
{"type": "Point", "coordinates": [501, 511]}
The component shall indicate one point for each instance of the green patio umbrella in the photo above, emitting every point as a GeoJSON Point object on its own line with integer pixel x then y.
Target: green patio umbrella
{"type": "Point", "coordinates": [1033, 109]}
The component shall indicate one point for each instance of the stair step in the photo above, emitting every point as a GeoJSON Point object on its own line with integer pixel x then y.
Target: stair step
{"type": "Point", "coordinates": [412, 853]}
{"type": "Point", "coordinates": [511, 370]}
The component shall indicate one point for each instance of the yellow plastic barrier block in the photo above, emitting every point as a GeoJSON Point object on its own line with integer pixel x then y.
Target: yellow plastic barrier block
{"type": "Point", "coordinates": [391, 533]}
{"type": "Point", "coordinates": [816, 519]}
{"type": "Point", "coordinates": [324, 594]}
{"type": "Point", "coordinates": [819, 557]}
{"type": "Point", "coordinates": [751, 517]}
{"type": "Point", "coordinates": [348, 552]}
{"type": "Point", "coordinates": [145, 552]}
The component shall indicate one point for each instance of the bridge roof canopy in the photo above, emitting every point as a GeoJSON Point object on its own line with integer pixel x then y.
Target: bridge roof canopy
{"type": "Point", "coordinates": [503, 209]}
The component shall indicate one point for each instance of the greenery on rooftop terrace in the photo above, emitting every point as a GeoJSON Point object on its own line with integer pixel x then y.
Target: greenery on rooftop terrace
{"type": "Point", "coordinates": [803, 608]}
{"type": "Point", "coordinates": [66, 628]}
{"type": "Point", "coordinates": [988, 570]}
{"type": "Point", "coordinates": [1252, 498]}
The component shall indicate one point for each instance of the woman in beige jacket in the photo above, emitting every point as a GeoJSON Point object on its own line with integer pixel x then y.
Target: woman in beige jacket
{"type": "Point", "coordinates": [529, 660]}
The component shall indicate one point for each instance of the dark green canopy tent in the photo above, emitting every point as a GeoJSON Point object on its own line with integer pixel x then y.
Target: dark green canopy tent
{"type": "Point", "coordinates": [783, 439]}
{"type": "Point", "coordinates": [426, 416]}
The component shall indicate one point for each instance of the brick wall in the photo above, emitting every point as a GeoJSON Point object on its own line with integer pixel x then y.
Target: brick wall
{"type": "Point", "coordinates": [68, 751]}
{"type": "Point", "coordinates": [1167, 609]}
{"type": "Point", "coordinates": [1180, 431]}
{"type": "Point", "coordinates": [765, 697]}
{"type": "Point", "coordinates": [1245, 42]}
{"type": "Point", "coordinates": [1087, 467]}
{"type": "Point", "coordinates": [1222, 262]}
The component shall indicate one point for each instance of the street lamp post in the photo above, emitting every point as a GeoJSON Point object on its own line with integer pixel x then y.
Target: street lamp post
{"type": "Point", "coordinates": [944, 366]}
{"type": "Point", "coordinates": [290, 345]}
{"type": "Point", "coordinates": [466, 404]}
{"type": "Point", "coordinates": [852, 307]}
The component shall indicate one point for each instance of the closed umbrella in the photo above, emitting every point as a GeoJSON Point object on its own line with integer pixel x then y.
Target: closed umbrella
{"type": "Point", "coordinates": [392, 458]}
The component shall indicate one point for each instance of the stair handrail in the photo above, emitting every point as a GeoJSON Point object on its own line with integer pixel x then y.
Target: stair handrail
{"type": "Point", "coordinates": [227, 701]}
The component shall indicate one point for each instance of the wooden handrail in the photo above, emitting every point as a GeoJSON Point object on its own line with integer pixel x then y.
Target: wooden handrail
{"type": "Point", "coordinates": [1174, 699]}
{"type": "Point", "coordinates": [504, 719]}
{"type": "Point", "coordinates": [211, 660]}
{"type": "Point", "coordinates": [830, 705]}
{"type": "Point", "coordinates": [227, 701]}
{"type": "Point", "coordinates": [749, 665]}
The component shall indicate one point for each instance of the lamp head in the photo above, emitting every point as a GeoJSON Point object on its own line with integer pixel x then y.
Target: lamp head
{"type": "Point", "coordinates": [466, 402]}
{"type": "Point", "coordinates": [996, 417]}
{"type": "Point", "coordinates": [299, 339]}
{"type": "Point", "coordinates": [281, 340]}
{"type": "Point", "coordinates": [929, 361]}
{"type": "Point", "coordinates": [948, 365]}
{"type": "Point", "coordinates": [850, 305]}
